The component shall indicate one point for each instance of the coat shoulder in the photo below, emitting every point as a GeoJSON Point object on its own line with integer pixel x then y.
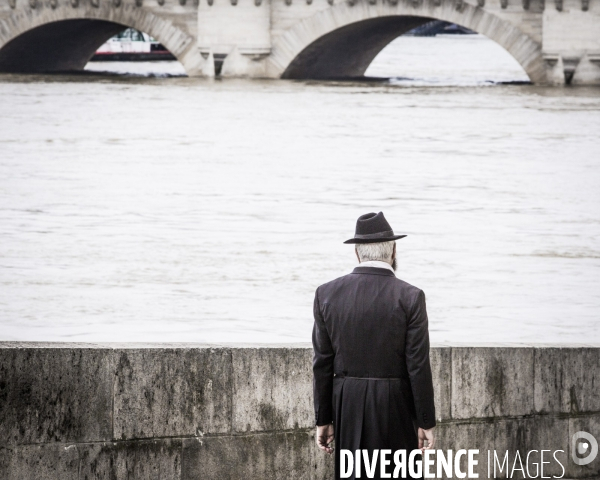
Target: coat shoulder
{"type": "Point", "coordinates": [334, 284]}
{"type": "Point", "coordinates": [410, 289]}
{"type": "Point", "coordinates": [410, 296]}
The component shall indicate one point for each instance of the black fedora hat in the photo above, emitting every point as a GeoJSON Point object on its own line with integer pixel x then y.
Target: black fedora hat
{"type": "Point", "coordinates": [373, 228]}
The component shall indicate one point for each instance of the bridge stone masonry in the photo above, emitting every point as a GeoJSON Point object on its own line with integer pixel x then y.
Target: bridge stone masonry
{"type": "Point", "coordinates": [555, 41]}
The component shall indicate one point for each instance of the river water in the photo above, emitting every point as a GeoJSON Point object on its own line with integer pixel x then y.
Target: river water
{"type": "Point", "coordinates": [143, 208]}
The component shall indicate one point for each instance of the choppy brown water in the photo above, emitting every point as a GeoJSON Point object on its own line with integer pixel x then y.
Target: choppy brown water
{"type": "Point", "coordinates": [177, 209]}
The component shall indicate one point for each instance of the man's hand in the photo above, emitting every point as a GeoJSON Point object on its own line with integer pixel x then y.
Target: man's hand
{"type": "Point", "coordinates": [426, 435]}
{"type": "Point", "coordinates": [325, 437]}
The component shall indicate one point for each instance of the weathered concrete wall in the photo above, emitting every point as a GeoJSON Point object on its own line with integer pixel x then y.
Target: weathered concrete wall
{"type": "Point", "coordinates": [87, 411]}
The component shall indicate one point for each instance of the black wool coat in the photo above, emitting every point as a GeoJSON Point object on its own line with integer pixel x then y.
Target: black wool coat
{"type": "Point", "coordinates": [372, 376]}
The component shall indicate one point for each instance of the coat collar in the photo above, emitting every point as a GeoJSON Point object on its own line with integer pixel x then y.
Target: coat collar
{"type": "Point", "coordinates": [376, 263]}
{"type": "Point", "coordinates": [374, 271]}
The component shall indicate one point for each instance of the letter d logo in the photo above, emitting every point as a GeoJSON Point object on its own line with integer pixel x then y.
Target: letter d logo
{"type": "Point", "coordinates": [589, 448]}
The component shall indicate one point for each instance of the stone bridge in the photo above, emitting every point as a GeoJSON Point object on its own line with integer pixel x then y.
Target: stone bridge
{"type": "Point", "coordinates": [555, 41]}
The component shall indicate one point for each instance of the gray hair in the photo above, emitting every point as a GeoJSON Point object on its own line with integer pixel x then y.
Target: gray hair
{"type": "Point", "coordinates": [381, 251]}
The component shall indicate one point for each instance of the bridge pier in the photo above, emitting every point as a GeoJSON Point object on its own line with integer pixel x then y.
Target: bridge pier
{"type": "Point", "coordinates": [587, 71]}
{"type": "Point", "coordinates": [571, 42]}
{"type": "Point", "coordinates": [238, 35]}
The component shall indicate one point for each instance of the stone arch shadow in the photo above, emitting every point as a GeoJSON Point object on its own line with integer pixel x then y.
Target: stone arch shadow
{"type": "Point", "coordinates": [343, 40]}
{"type": "Point", "coordinates": [65, 38]}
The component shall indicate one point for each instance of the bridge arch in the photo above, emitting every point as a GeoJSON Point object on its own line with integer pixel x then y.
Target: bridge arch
{"type": "Point", "coordinates": [65, 37]}
{"type": "Point", "coordinates": [342, 40]}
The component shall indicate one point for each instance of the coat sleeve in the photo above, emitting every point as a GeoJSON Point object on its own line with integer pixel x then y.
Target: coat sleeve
{"type": "Point", "coordinates": [322, 368]}
{"type": "Point", "coordinates": [417, 360]}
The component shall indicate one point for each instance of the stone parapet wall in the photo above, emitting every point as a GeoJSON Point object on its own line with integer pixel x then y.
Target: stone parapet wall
{"type": "Point", "coordinates": [92, 411]}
